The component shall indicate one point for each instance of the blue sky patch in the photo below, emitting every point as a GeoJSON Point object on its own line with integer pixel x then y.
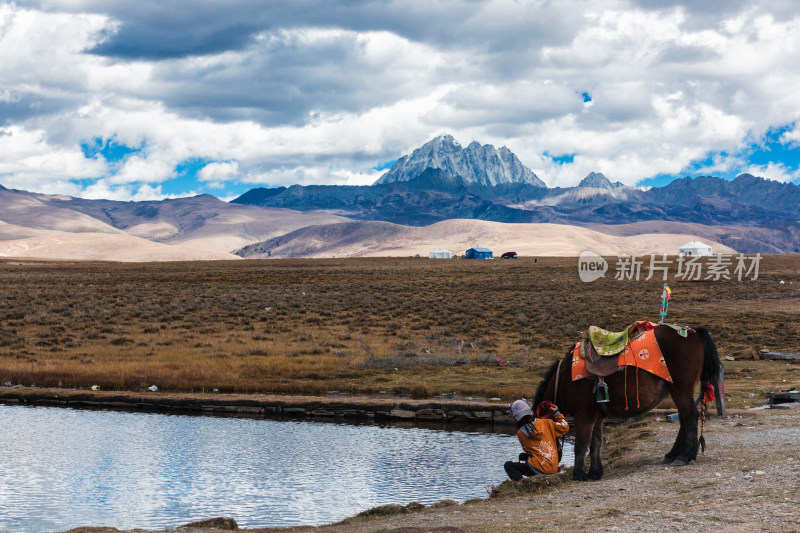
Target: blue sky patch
{"type": "Point", "coordinates": [185, 180]}
{"type": "Point", "coordinates": [694, 170]}
{"type": "Point", "coordinates": [560, 159]}
{"type": "Point", "coordinates": [385, 166]}
{"type": "Point", "coordinates": [660, 180]}
{"type": "Point", "coordinates": [773, 150]}
{"type": "Point", "coordinates": [110, 149]}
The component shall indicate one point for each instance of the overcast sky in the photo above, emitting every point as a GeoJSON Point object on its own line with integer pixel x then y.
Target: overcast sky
{"type": "Point", "coordinates": [150, 99]}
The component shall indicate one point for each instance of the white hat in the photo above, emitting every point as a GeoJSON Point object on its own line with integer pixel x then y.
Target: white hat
{"type": "Point", "coordinates": [519, 410]}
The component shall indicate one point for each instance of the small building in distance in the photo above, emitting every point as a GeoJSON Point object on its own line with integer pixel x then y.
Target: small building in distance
{"type": "Point", "coordinates": [440, 253]}
{"type": "Point", "coordinates": [478, 253]}
{"type": "Point", "coordinates": [694, 249]}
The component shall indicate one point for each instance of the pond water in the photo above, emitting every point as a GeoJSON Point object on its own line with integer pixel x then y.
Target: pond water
{"type": "Point", "coordinates": [63, 468]}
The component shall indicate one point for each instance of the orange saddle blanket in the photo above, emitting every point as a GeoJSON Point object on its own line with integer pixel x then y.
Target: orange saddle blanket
{"type": "Point", "coordinates": [642, 351]}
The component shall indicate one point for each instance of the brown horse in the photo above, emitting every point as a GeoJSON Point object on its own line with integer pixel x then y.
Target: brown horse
{"type": "Point", "coordinates": [688, 360]}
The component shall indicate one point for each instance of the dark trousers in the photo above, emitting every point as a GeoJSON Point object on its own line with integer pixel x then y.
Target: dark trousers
{"type": "Point", "coordinates": [517, 469]}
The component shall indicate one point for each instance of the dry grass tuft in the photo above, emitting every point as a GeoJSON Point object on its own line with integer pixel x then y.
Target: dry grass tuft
{"type": "Point", "coordinates": [529, 485]}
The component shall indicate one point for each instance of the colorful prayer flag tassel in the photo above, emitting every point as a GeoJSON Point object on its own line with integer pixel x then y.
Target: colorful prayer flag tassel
{"type": "Point", "coordinates": [666, 293]}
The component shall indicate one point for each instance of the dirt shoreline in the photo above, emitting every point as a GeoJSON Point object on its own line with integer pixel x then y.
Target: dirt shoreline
{"type": "Point", "coordinates": [746, 481]}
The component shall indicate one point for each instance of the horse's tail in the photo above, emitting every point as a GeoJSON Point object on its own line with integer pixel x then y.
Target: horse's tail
{"type": "Point", "coordinates": [708, 376]}
{"type": "Point", "coordinates": [711, 362]}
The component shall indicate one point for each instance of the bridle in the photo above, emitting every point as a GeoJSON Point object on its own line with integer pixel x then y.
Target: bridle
{"type": "Point", "coordinates": [558, 371]}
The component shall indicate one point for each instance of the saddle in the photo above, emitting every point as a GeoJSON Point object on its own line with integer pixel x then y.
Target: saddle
{"type": "Point", "coordinates": [597, 364]}
{"type": "Point", "coordinates": [600, 348]}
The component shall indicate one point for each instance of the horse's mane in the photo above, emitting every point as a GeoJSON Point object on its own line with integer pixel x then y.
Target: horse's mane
{"type": "Point", "coordinates": [543, 384]}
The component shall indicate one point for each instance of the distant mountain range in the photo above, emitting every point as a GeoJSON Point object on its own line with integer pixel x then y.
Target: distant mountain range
{"type": "Point", "coordinates": [439, 195]}
{"type": "Point", "coordinates": [203, 227]}
{"type": "Point", "coordinates": [441, 181]}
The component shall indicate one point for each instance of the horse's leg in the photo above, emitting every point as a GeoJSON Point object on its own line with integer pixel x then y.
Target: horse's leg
{"type": "Point", "coordinates": [678, 445]}
{"type": "Point", "coordinates": [686, 443]}
{"type": "Point", "coordinates": [685, 358]}
{"type": "Point", "coordinates": [596, 466]}
{"type": "Point", "coordinates": [583, 435]}
{"type": "Point", "coordinates": [677, 448]}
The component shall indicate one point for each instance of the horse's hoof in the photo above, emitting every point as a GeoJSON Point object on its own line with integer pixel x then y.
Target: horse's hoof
{"type": "Point", "coordinates": [679, 462]}
{"type": "Point", "coordinates": [578, 477]}
{"type": "Point", "coordinates": [667, 460]}
{"type": "Point", "coordinates": [594, 476]}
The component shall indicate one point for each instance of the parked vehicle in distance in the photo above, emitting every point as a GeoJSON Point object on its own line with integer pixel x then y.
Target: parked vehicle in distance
{"type": "Point", "coordinates": [478, 253]}
{"type": "Point", "coordinates": [509, 255]}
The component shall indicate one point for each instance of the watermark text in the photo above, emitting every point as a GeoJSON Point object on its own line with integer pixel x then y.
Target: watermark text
{"type": "Point", "coordinates": [739, 267]}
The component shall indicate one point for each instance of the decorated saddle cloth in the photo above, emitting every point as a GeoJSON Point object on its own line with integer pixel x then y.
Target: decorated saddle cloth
{"type": "Point", "coordinates": [636, 346]}
{"type": "Point", "coordinates": [608, 343]}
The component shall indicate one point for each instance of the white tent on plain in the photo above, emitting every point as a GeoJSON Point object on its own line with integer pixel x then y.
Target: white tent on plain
{"type": "Point", "coordinates": [694, 249]}
{"type": "Point", "coordinates": [440, 253]}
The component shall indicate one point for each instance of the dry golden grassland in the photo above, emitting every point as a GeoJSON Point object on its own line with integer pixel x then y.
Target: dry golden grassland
{"type": "Point", "coordinates": [408, 326]}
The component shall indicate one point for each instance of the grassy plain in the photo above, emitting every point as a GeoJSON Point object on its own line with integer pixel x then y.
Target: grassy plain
{"type": "Point", "coordinates": [406, 326]}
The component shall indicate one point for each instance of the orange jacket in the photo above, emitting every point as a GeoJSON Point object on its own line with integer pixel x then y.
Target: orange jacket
{"type": "Point", "coordinates": [539, 440]}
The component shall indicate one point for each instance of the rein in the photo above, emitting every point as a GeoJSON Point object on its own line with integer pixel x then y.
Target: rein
{"type": "Point", "coordinates": [558, 371]}
{"type": "Point", "coordinates": [559, 443]}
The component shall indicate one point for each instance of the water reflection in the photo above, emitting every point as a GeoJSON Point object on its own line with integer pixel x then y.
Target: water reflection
{"type": "Point", "coordinates": [64, 468]}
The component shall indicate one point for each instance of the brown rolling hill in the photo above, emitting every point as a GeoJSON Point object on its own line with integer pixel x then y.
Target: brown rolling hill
{"type": "Point", "coordinates": [53, 244]}
{"type": "Point", "coordinates": [197, 228]}
{"type": "Point", "coordinates": [377, 239]}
